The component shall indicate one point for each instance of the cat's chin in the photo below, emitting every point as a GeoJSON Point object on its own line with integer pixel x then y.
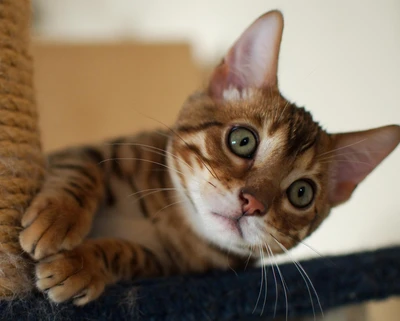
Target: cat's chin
{"type": "Point", "coordinates": [242, 232]}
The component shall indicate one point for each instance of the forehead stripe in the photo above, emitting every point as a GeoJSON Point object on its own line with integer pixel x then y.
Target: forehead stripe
{"type": "Point", "coordinates": [200, 127]}
{"type": "Point", "coordinates": [303, 132]}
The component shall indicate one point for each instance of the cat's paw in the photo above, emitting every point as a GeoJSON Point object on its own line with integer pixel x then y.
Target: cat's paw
{"type": "Point", "coordinates": [71, 275]}
{"type": "Point", "coordinates": [53, 223]}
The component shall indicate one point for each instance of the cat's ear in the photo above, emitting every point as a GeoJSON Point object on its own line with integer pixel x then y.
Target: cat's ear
{"type": "Point", "coordinates": [252, 62]}
{"type": "Point", "coordinates": [355, 155]}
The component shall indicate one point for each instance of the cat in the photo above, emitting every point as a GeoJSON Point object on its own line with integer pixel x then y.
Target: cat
{"type": "Point", "coordinates": [241, 174]}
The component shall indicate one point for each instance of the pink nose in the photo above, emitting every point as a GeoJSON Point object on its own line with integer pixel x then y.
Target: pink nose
{"type": "Point", "coordinates": [252, 206]}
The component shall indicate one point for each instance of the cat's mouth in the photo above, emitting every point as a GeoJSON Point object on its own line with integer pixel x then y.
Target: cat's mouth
{"type": "Point", "coordinates": [232, 224]}
{"type": "Point", "coordinates": [248, 231]}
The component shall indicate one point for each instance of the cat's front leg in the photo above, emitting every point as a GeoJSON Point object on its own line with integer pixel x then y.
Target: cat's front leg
{"type": "Point", "coordinates": [61, 214]}
{"type": "Point", "coordinates": [81, 274]}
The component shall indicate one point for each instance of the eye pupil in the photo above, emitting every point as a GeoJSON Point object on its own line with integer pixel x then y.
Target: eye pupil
{"type": "Point", "coordinates": [301, 192]}
{"type": "Point", "coordinates": [244, 141]}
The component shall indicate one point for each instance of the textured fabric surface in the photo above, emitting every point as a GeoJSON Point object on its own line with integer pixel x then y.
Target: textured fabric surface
{"type": "Point", "coordinates": [21, 160]}
{"type": "Point", "coordinates": [222, 296]}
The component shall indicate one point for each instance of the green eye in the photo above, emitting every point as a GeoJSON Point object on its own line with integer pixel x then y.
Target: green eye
{"type": "Point", "coordinates": [300, 193]}
{"type": "Point", "coordinates": [242, 142]}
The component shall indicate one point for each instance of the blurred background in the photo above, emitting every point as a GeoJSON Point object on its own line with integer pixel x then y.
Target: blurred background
{"type": "Point", "coordinates": [103, 67]}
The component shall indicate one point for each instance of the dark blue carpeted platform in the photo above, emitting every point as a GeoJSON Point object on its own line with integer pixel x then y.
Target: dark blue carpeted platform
{"type": "Point", "coordinates": [221, 296]}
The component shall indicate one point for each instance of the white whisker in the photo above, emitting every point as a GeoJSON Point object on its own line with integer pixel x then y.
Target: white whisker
{"type": "Point", "coordinates": [301, 271]}
{"type": "Point", "coordinates": [171, 197]}
{"type": "Point", "coordinates": [266, 287]}
{"type": "Point", "coordinates": [195, 153]}
{"type": "Point", "coordinates": [348, 154]}
{"type": "Point", "coordinates": [227, 257]}
{"type": "Point", "coordinates": [157, 151]}
{"type": "Point", "coordinates": [148, 161]}
{"type": "Point", "coordinates": [153, 189]}
{"type": "Point", "coordinates": [285, 289]}
{"type": "Point", "coordinates": [169, 205]}
{"type": "Point", "coordinates": [261, 285]}
{"type": "Point", "coordinates": [283, 111]}
{"type": "Point", "coordinates": [248, 259]}
{"type": "Point", "coordinates": [163, 134]}
{"type": "Point", "coordinates": [343, 147]}
{"type": "Point", "coordinates": [276, 281]}
{"type": "Point", "coordinates": [304, 244]}
{"type": "Point", "coordinates": [177, 135]}
{"type": "Point", "coordinates": [346, 161]}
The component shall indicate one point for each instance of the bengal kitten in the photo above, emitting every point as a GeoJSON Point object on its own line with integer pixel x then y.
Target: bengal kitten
{"type": "Point", "coordinates": [242, 173]}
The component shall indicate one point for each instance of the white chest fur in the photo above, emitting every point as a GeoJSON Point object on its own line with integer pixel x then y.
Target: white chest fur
{"type": "Point", "coordinates": [124, 219]}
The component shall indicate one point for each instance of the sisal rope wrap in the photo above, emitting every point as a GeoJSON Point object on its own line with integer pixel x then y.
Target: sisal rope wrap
{"type": "Point", "coordinates": [21, 160]}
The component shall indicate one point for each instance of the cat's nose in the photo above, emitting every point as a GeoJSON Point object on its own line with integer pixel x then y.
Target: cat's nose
{"type": "Point", "coordinates": [252, 206]}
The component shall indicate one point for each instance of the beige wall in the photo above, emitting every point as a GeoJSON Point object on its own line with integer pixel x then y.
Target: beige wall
{"type": "Point", "coordinates": [90, 92]}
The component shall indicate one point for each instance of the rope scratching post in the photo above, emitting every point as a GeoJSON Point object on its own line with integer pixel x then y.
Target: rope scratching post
{"type": "Point", "coordinates": [21, 162]}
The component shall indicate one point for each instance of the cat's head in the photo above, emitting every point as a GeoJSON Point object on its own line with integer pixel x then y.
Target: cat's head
{"type": "Point", "coordinates": [256, 169]}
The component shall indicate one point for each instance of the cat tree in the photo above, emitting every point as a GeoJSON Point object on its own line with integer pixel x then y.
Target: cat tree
{"type": "Point", "coordinates": [21, 161]}
{"type": "Point", "coordinates": [219, 296]}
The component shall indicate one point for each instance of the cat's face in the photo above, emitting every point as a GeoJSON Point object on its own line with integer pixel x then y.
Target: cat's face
{"type": "Point", "coordinates": [254, 174]}
{"type": "Point", "coordinates": [256, 169]}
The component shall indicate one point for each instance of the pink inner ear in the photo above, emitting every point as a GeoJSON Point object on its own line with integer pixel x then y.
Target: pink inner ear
{"type": "Point", "coordinates": [253, 60]}
{"type": "Point", "coordinates": [355, 155]}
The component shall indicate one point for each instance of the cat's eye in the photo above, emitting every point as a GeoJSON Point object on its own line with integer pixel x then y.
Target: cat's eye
{"type": "Point", "coordinates": [242, 142]}
{"type": "Point", "coordinates": [300, 193]}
